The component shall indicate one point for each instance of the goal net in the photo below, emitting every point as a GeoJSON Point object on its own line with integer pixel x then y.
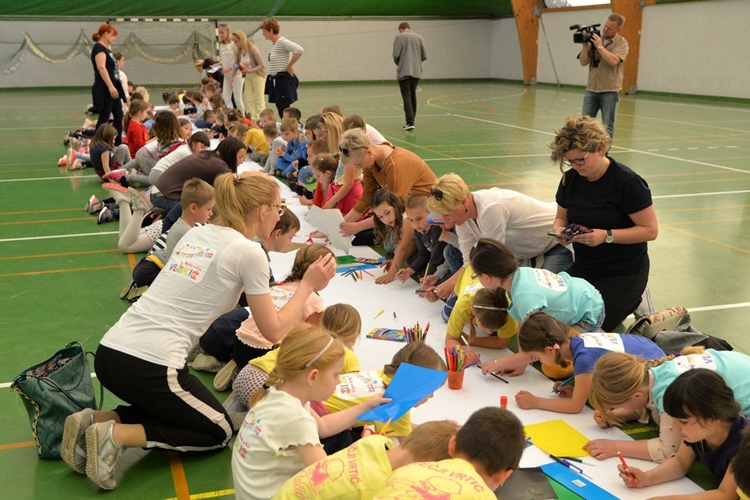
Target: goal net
{"type": "Point", "coordinates": [163, 51]}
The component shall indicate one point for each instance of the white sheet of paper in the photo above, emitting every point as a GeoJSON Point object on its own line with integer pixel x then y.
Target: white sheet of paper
{"type": "Point", "coordinates": [328, 222]}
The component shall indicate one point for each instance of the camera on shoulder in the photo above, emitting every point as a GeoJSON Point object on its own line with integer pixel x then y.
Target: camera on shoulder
{"type": "Point", "coordinates": [583, 33]}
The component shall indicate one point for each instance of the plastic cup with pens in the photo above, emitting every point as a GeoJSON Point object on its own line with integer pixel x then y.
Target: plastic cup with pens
{"type": "Point", "coordinates": [455, 360]}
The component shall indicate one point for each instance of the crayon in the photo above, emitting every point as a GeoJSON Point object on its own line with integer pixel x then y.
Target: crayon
{"type": "Point", "coordinates": [379, 313]}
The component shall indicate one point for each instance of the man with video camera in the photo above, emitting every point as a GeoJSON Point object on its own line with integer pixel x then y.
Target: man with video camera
{"type": "Point", "coordinates": [604, 55]}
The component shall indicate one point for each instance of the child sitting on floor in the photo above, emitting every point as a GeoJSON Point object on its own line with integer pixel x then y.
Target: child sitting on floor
{"type": "Point", "coordinates": [137, 135]}
{"type": "Point", "coordinates": [280, 435]}
{"type": "Point", "coordinates": [255, 143]}
{"type": "Point", "coordinates": [294, 154]}
{"type": "Point", "coordinates": [372, 460]}
{"type": "Point", "coordinates": [485, 452]}
{"type": "Point", "coordinates": [104, 155]}
{"type": "Point", "coordinates": [271, 135]}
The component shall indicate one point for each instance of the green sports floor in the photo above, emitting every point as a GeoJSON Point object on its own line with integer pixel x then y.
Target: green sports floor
{"type": "Point", "coordinates": [61, 273]}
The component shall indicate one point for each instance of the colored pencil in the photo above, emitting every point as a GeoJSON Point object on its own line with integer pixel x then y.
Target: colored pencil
{"type": "Point", "coordinates": [564, 382]}
{"type": "Point", "coordinates": [498, 377]}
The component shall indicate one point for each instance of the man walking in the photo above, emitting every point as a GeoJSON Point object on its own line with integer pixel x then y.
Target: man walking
{"type": "Point", "coordinates": [408, 54]}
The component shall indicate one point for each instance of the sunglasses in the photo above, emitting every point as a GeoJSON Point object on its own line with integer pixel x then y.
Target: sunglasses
{"type": "Point", "coordinates": [436, 193]}
{"type": "Point", "coordinates": [346, 151]}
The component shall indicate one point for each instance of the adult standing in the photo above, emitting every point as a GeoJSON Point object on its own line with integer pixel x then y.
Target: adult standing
{"type": "Point", "coordinates": [604, 57]}
{"type": "Point", "coordinates": [408, 54]}
{"type": "Point", "coordinates": [253, 70]}
{"type": "Point", "coordinates": [384, 166]}
{"type": "Point", "coordinates": [510, 217]}
{"type": "Point", "coordinates": [281, 82]}
{"type": "Point", "coordinates": [230, 59]}
{"type": "Point", "coordinates": [604, 195]}
{"type": "Point", "coordinates": [142, 358]}
{"type": "Point", "coordinates": [107, 90]}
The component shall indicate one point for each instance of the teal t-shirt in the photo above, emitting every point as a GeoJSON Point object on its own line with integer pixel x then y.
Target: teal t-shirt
{"type": "Point", "coordinates": [563, 297]}
{"type": "Point", "coordinates": [733, 366]}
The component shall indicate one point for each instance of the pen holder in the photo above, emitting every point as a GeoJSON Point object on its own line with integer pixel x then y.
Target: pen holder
{"type": "Point", "coordinates": [455, 380]}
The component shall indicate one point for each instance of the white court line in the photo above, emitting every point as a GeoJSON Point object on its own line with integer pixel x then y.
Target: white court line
{"type": "Point", "coordinates": [35, 128]}
{"type": "Point", "coordinates": [486, 157]}
{"type": "Point", "coordinates": [698, 194]}
{"type": "Point", "coordinates": [31, 238]}
{"type": "Point", "coordinates": [679, 122]}
{"type": "Point", "coordinates": [5, 385]}
{"type": "Point", "coordinates": [502, 124]}
{"type": "Point", "coordinates": [49, 178]}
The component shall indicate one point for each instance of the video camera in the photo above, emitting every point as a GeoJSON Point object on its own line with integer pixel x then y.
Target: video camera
{"type": "Point", "coordinates": [583, 33]}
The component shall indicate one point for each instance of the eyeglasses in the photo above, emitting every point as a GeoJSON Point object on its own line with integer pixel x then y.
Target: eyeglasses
{"type": "Point", "coordinates": [577, 161]}
{"type": "Point", "coordinates": [436, 193]}
{"type": "Point", "coordinates": [346, 151]}
{"type": "Point", "coordinates": [279, 208]}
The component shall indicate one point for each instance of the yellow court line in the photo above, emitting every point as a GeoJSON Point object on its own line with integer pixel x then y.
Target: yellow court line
{"type": "Point", "coordinates": [13, 446]}
{"type": "Point", "coordinates": [41, 211]}
{"type": "Point", "coordinates": [16, 223]}
{"type": "Point", "coordinates": [704, 238]}
{"type": "Point", "coordinates": [719, 207]}
{"type": "Point", "coordinates": [131, 261]}
{"type": "Point", "coordinates": [701, 181]}
{"type": "Point", "coordinates": [208, 494]}
{"type": "Point", "coordinates": [178, 476]}
{"type": "Point", "coordinates": [58, 271]}
{"type": "Point", "coordinates": [64, 254]}
{"type": "Point", "coordinates": [709, 220]}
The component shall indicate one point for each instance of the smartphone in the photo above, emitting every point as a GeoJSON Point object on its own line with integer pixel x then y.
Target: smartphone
{"type": "Point", "coordinates": [552, 233]}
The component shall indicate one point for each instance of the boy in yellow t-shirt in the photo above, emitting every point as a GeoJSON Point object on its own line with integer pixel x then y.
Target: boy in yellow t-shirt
{"type": "Point", "coordinates": [485, 451]}
{"type": "Point", "coordinates": [359, 471]}
{"type": "Point", "coordinates": [355, 388]}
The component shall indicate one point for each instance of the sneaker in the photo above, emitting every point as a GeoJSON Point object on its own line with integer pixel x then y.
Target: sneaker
{"type": "Point", "coordinates": [106, 215]}
{"type": "Point", "coordinates": [63, 162]}
{"type": "Point", "coordinates": [117, 194]}
{"type": "Point", "coordinates": [224, 377]}
{"type": "Point", "coordinates": [93, 201]}
{"type": "Point", "coordinates": [73, 448]}
{"type": "Point", "coordinates": [113, 186]}
{"type": "Point", "coordinates": [140, 200]}
{"type": "Point", "coordinates": [66, 138]}
{"type": "Point", "coordinates": [207, 363]}
{"type": "Point", "coordinates": [70, 158]}
{"type": "Point", "coordinates": [136, 293]}
{"type": "Point", "coordinates": [103, 453]}
{"type": "Point", "coordinates": [408, 127]}
{"type": "Point", "coordinates": [76, 165]}
{"type": "Point", "coordinates": [233, 405]}
{"type": "Point", "coordinates": [195, 351]}
{"type": "Point", "coordinates": [115, 175]}
{"type": "Point", "coordinates": [125, 291]}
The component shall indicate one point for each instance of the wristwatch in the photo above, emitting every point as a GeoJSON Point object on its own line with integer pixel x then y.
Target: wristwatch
{"type": "Point", "coordinates": [600, 47]}
{"type": "Point", "coordinates": [610, 237]}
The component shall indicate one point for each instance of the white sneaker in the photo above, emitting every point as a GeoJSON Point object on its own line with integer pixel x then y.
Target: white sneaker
{"type": "Point", "coordinates": [73, 448]}
{"type": "Point", "coordinates": [103, 454]}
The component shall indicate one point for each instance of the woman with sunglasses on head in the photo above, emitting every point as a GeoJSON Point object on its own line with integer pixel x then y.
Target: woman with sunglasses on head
{"type": "Point", "coordinates": [229, 55]}
{"type": "Point", "coordinates": [384, 166]}
{"type": "Point", "coordinates": [613, 201]}
{"type": "Point", "coordinates": [510, 217]}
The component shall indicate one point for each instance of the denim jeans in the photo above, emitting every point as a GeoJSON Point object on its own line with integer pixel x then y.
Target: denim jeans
{"type": "Point", "coordinates": [454, 258]}
{"type": "Point", "coordinates": [604, 101]}
{"type": "Point", "coordinates": [557, 259]}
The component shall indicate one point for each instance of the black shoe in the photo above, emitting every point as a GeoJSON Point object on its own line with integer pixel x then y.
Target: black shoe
{"type": "Point", "coordinates": [408, 127]}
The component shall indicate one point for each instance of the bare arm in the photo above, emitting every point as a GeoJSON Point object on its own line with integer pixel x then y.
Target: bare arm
{"type": "Point", "coordinates": [333, 423]}
{"type": "Point", "coordinates": [584, 55]}
{"type": "Point", "coordinates": [350, 174]}
{"type": "Point", "coordinates": [564, 405]}
{"type": "Point", "coordinates": [311, 453]}
{"type": "Point", "coordinates": [294, 59]}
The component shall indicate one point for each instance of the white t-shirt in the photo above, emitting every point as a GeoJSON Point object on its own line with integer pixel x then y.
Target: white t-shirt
{"type": "Point", "coordinates": [201, 281]}
{"type": "Point", "coordinates": [228, 55]}
{"type": "Point", "coordinates": [163, 164]}
{"type": "Point", "coordinates": [264, 455]}
{"type": "Point", "coordinates": [519, 221]}
{"type": "Point", "coordinates": [374, 136]}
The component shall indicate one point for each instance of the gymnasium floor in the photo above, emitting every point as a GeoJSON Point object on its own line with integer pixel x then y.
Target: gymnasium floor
{"type": "Point", "coordinates": [60, 273]}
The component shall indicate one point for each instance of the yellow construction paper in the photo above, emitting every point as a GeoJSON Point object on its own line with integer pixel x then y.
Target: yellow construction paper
{"type": "Point", "coordinates": [558, 438]}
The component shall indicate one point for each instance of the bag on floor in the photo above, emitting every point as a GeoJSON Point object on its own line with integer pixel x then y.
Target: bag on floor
{"type": "Point", "coordinates": [53, 390]}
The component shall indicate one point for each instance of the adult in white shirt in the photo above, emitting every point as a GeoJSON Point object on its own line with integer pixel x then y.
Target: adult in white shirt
{"type": "Point", "coordinates": [519, 221]}
{"type": "Point", "coordinates": [142, 358]}
{"type": "Point", "coordinates": [281, 83]}
{"type": "Point", "coordinates": [229, 56]}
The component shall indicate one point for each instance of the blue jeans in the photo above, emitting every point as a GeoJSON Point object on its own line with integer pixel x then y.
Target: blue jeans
{"type": "Point", "coordinates": [557, 259]}
{"type": "Point", "coordinates": [604, 101]}
{"type": "Point", "coordinates": [454, 258]}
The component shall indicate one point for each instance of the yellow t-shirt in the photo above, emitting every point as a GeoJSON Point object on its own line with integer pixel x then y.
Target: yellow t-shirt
{"type": "Point", "coordinates": [465, 288]}
{"type": "Point", "coordinates": [357, 387]}
{"type": "Point", "coordinates": [453, 479]}
{"type": "Point", "coordinates": [257, 140]}
{"type": "Point", "coordinates": [268, 361]}
{"type": "Point", "coordinates": [354, 473]}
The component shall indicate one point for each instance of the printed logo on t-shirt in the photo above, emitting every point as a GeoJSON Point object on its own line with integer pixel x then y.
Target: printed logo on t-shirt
{"type": "Point", "coordinates": [608, 341]}
{"type": "Point", "coordinates": [280, 297]}
{"type": "Point", "coordinates": [250, 424]}
{"type": "Point", "coordinates": [359, 385]}
{"type": "Point", "coordinates": [473, 288]}
{"type": "Point", "coordinates": [550, 280]}
{"type": "Point", "coordinates": [325, 473]}
{"type": "Point", "coordinates": [192, 261]}
{"type": "Point", "coordinates": [691, 361]}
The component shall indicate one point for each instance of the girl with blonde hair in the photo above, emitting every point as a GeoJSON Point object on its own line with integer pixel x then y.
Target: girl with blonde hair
{"type": "Point", "coordinates": [230, 58]}
{"type": "Point", "coordinates": [142, 358]}
{"type": "Point", "coordinates": [625, 387]}
{"type": "Point", "coordinates": [253, 70]}
{"type": "Point", "coordinates": [281, 434]}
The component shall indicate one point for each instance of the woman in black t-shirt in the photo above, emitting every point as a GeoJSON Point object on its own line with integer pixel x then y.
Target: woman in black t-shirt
{"type": "Point", "coordinates": [107, 89]}
{"type": "Point", "coordinates": [615, 202]}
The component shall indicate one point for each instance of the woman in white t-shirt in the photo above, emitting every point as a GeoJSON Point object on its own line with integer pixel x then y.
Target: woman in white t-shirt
{"type": "Point", "coordinates": [142, 358]}
{"type": "Point", "coordinates": [229, 56]}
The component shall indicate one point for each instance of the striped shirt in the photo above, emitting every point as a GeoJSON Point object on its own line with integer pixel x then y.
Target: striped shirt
{"type": "Point", "coordinates": [281, 54]}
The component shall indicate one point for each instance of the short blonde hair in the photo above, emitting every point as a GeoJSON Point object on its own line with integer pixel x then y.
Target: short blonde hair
{"type": "Point", "coordinates": [356, 143]}
{"type": "Point", "coordinates": [306, 347]}
{"type": "Point", "coordinates": [451, 191]}
{"type": "Point", "coordinates": [344, 321]}
{"type": "Point", "coordinates": [579, 132]}
{"type": "Point", "coordinates": [239, 195]}
{"type": "Point", "coordinates": [196, 191]}
{"type": "Point", "coordinates": [428, 442]}
{"type": "Point", "coordinates": [289, 125]}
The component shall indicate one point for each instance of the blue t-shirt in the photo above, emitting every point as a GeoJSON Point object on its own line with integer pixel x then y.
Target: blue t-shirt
{"type": "Point", "coordinates": [733, 366]}
{"type": "Point", "coordinates": [563, 297]}
{"type": "Point", "coordinates": [717, 461]}
{"type": "Point", "coordinates": [96, 152]}
{"type": "Point", "coordinates": [589, 347]}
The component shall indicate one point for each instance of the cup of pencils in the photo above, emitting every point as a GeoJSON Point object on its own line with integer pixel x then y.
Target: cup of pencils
{"type": "Point", "coordinates": [416, 333]}
{"type": "Point", "coordinates": [455, 360]}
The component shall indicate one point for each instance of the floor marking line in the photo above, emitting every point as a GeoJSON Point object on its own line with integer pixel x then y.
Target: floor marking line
{"type": "Point", "coordinates": [209, 494]}
{"type": "Point", "coordinates": [704, 238]}
{"type": "Point", "coordinates": [487, 157]}
{"type": "Point", "coordinates": [178, 476]}
{"type": "Point", "coordinates": [50, 178]}
{"type": "Point", "coordinates": [63, 254]}
{"type": "Point", "coordinates": [33, 238]}
{"type": "Point", "coordinates": [13, 446]}
{"type": "Point", "coordinates": [24, 212]}
{"type": "Point", "coordinates": [45, 221]}
{"type": "Point", "coordinates": [62, 271]}
{"type": "Point", "coordinates": [504, 124]}
{"type": "Point", "coordinates": [662, 197]}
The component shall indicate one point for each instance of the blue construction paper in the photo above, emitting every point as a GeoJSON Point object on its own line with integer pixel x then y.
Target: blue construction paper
{"type": "Point", "coordinates": [354, 265]}
{"type": "Point", "coordinates": [576, 483]}
{"type": "Point", "coordinates": [410, 384]}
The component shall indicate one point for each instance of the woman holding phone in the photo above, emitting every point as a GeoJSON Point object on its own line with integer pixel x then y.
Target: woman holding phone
{"type": "Point", "coordinates": [612, 201]}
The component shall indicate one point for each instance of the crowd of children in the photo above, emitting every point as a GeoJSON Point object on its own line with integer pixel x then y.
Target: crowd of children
{"type": "Point", "coordinates": [297, 394]}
